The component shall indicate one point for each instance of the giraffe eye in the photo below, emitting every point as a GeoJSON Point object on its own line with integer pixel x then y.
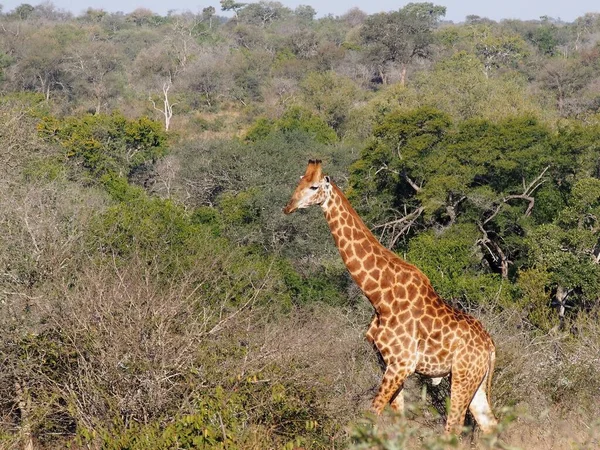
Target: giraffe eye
{"type": "Point", "coordinates": [314, 188]}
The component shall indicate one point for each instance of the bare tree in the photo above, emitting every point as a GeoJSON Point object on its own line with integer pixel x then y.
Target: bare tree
{"type": "Point", "coordinates": [167, 108]}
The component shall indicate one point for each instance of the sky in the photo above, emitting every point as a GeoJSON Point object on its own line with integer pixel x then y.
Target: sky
{"type": "Point", "coordinates": [456, 10]}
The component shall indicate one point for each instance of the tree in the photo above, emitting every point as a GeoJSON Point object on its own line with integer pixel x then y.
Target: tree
{"type": "Point", "coordinates": [94, 15]}
{"type": "Point", "coordinates": [568, 250]}
{"type": "Point", "coordinates": [95, 67]}
{"type": "Point", "coordinates": [43, 54]}
{"type": "Point", "coordinates": [565, 78]}
{"type": "Point", "coordinates": [496, 49]}
{"type": "Point", "coordinates": [208, 75]}
{"type": "Point", "coordinates": [23, 11]}
{"type": "Point", "coordinates": [331, 95]}
{"type": "Point", "coordinates": [400, 36]}
{"type": "Point", "coordinates": [141, 16]}
{"type": "Point", "coordinates": [305, 13]}
{"type": "Point", "coordinates": [207, 14]}
{"type": "Point", "coordinates": [232, 5]}
{"type": "Point", "coordinates": [167, 108]}
{"type": "Point", "coordinates": [262, 13]}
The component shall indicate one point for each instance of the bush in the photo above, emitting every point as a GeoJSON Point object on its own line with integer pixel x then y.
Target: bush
{"type": "Point", "coordinates": [104, 144]}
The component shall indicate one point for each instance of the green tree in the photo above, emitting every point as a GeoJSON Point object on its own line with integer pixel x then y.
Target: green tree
{"type": "Point", "coordinates": [262, 13]}
{"type": "Point", "coordinates": [107, 145]}
{"type": "Point", "coordinates": [400, 36]}
{"type": "Point", "coordinates": [331, 95]}
{"type": "Point", "coordinates": [232, 5]}
{"type": "Point", "coordinates": [568, 250]}
{"type": "Point", "coordinates": [294, 120]}
{"type": "Point", "coordinates": [23, 11]}
{"type": "Point", "coordinates": [305, 13]}
{"type": "Point", "coordinates": [496, 48]}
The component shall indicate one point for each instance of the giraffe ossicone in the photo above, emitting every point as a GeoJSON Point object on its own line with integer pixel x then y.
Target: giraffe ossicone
{"type": "Point", "coordinates": [413, 329]}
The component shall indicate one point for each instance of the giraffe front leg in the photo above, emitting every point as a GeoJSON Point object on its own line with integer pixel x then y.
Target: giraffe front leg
{"type": "Point", "coordinates": [393, 380]}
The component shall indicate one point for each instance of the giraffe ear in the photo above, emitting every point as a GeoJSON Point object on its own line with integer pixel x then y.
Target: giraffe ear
{"type": "Point", "coordinates": [327, 179]}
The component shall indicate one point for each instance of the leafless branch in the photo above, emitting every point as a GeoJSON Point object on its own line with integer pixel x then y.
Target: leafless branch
{"type": "Point", "coordinates": [526, 195]}
{"type": "Point", "coordinates": [398, 227]}
{"type": "Point", "coordinates": [494, 250]}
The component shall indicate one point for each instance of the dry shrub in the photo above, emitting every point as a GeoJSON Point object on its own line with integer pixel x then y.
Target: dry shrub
{"type": "Point", "coordinates": [549, 380]}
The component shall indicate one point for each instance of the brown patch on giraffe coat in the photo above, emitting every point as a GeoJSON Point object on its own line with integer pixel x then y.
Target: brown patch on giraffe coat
{"type": "Point", "coordinates": [388, 274]}
{"type": "Point", "coordinates": [400, 292]}
{"type": "Point", "coordinates": [360, 251]}
{"type": "Point", "coordinates": [404, 277]}
{"type": "Point", "coordinates": [353, 265]}
{"type": "Point", "coordinates": [367, 246]}
{"type": "Point", "coordinates": [411, 291]}
{"type": "Point", "coordinates": [426, 323]}
{"type": "Point", "coordinates": [370, 285]}
{"type": "Point", "coordinates": [388, 296]}
{"type": "Point", "coordinates": [384, 311]}
{"type": "Point", "coordinates": [347, 253]}
{"type": "Point", "coordinates": [360, 277]}
{"type": "Point", "coordinates": [384, 281]}
{"type": "Point", "coordinates": [375, 297]}
{"type": "Point", "coordinates": [369, 262]}
{"type": "Point", "coordinates": [436, 335]}
{"type": "Point", "coordinates": [430, 311]}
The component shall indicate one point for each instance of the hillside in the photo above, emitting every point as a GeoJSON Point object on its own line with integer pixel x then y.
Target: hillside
{"type": "Point", "coordinates": [154, 295]}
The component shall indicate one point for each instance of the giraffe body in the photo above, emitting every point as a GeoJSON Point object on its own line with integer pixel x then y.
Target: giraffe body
{"type": "Point", "coordinates": [413, 329]}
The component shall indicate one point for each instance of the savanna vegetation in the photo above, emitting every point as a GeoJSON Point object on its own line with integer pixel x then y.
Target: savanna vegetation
{"type": "Point", "coordinates": [152, 293]}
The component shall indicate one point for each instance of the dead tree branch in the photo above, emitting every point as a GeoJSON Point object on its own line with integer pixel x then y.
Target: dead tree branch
{"type": "Point", "coordinates": [399, 227]}
{"type": "Point", "coordinates": [526, 195]}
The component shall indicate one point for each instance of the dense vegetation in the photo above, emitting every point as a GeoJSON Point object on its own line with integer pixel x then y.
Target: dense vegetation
{"type": "Point", "coordinates": [153, 295]}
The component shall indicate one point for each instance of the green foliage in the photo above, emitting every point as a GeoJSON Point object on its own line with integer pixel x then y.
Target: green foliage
{"type": "Point", "coordinates": [217, 422]}
{"type": "Point", "coordinates": [452, 262]}
{"type": "Point", "coordinates": [152, 227]}
{"type": "Point", "coordinates": [487, 197]}
{"type": "Point", "coordinates": [46, 169]}
{"type": "Point", "coordinates": [294, 120]}
{"type": "Point", "coordinates": [402, 35]}
{"type": "Point", "coordinates": [399, 155]}
{"type": "Point", "coordinates": [104, 144]}
{"type": "Point", "coordinates": [331, 96]}
{"type": "Point", "coordinates": [326, 285]}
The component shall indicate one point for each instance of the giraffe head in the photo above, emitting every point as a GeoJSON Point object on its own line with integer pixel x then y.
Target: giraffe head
{"type": "Point", "coordinates": [313, 188]}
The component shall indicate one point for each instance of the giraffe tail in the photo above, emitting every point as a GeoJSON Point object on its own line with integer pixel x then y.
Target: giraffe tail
{"type": "Point", "coordinates": [492, 362]}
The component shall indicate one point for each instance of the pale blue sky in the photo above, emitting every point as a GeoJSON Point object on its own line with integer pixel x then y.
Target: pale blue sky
{"type": "Point", "coordinates": [456, 9]}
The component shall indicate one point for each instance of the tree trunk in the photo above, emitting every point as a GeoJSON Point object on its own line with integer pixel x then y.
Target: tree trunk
{"type": "Point", "coordinates": [403, 76]}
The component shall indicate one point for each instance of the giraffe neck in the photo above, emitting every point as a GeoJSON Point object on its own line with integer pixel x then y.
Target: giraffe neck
{"type": "Point", "coordinates": [363, 255]}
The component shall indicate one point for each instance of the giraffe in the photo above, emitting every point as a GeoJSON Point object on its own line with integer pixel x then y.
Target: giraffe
{"type": "Point", "coordinates": [413, 329]}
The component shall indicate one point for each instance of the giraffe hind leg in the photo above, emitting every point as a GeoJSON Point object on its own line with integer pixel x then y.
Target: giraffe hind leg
{"type": "Point", "coordinates": [481, 409]}
{"type": "Point", "coordinates": [462, 390]}
{"type": "Point", "coordinates": [397, 402]}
